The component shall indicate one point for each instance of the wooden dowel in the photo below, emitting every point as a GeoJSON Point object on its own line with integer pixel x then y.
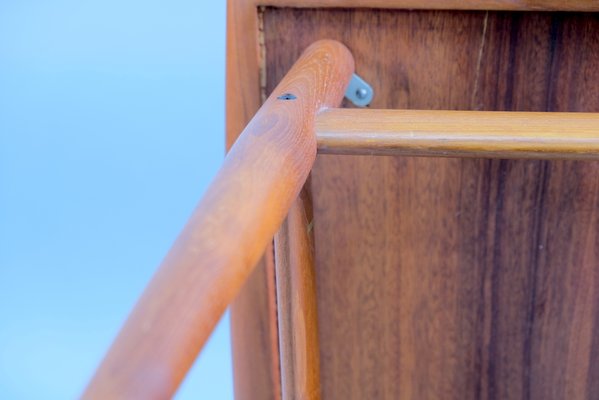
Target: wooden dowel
{"type": "Point", "coordinates": [296, 302]}
{"type": "Point", "coordinates": [539, 135]}
{"type": "Point", "coordinates": [226, 235]}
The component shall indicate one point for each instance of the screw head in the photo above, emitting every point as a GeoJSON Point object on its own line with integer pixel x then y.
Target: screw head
{"type": "Point", "coordinates": [361, 93]}
{"type": "Point", "coordinates": [287, 96]}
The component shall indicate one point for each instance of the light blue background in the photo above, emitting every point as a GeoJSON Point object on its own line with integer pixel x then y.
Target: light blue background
{"type": "Point", "coordinates": [111, 127]}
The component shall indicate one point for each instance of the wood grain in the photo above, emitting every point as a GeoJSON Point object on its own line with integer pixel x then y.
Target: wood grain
{"type": "Point", "coordinates": [226, 235]}
{"type": "Point", "coordinates": [540, 135]}
{"type": "Point", "coordinates": [254, 338]}
{"type": "Point", "coordinates": [496, 5]}
{"type": "Point", "coordinates": [441, 278]}
{"type": "Point", "coordinates": [513, 5]}
{"type": "Point", "coordinates": [252, 320]}
{"type": "Point", "coordinates": [296, 294]}
{"type": "Point", "coordinates": [243, 67]}
{"type": "Point", "coordinates": [254, 335]}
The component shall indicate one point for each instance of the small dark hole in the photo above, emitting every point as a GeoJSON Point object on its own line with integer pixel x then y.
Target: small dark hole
{"type": "Point", "coordinates": [287, 96]}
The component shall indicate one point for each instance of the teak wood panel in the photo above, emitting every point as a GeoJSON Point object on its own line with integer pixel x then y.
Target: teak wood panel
{"type": "Point", "coordinates": [455, 278]}
{"type": "Point", "coordinates": [252, 314]}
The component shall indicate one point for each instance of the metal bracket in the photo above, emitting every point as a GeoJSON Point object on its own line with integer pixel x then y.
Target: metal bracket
{"type": "Point", "coordinates": [359, 91]}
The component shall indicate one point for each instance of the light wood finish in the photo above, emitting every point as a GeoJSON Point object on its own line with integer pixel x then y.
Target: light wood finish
{"type": "Point", "coordinates": [540, 135]}
{"type": "Point", "coordinates": [226, 235]}
{"type": "Point", "coordinates": [296, 294]}
{"type": "Point", "coordinates": [446, 278]}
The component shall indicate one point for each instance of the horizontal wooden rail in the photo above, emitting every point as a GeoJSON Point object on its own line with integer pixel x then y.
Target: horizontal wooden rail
{"type": "Point", "coordinates": [226, 235]}
{"type": "Point", "coordinates": [507, 5]}
{"type": "Point", "coordinates": [541, 135]}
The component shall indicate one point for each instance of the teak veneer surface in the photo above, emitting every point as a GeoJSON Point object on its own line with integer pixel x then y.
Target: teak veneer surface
{"type": "Point", "coordinates": [455, 278]}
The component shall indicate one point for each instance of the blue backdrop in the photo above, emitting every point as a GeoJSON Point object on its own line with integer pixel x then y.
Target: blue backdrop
{"type": "Point", "coordinates": [111, 127]}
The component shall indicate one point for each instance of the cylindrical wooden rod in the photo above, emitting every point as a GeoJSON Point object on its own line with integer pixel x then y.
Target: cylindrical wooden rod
{"type": "Point", "coordinates": [540, 135]}
{"type": "Point", "coordinates": [226, 235]}
{"type": "Point", "coordinates": [296, 302]}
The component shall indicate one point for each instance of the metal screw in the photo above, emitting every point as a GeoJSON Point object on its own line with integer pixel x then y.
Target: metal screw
{"type": "Point", "coordinates": [287, 96]}
{"type": "Point", "coordinates": [361, 93]}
